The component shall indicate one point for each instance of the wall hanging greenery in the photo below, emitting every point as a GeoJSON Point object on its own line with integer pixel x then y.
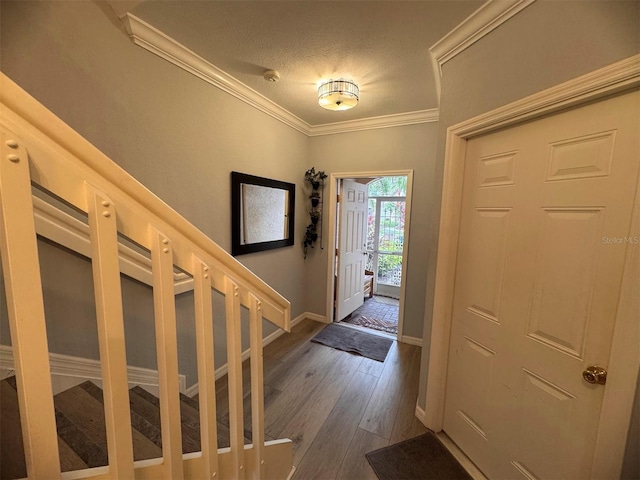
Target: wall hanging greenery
{"type": "Point", "coordinates": [314, 229]}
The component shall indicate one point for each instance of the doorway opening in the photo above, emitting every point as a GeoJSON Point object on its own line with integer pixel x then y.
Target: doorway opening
{"type": "Point", "coordinates": [369, 222]}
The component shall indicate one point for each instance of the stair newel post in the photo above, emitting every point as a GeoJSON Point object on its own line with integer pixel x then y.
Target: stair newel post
{"type": "Point", "coordinates": [257, 386]}
{"type": "Point", "coordinates": [25, 306]}
{"type": "Point", "coordinates": [167, 352]}
{"type": "Point", "coordinates": [108, 297]}
{"type": "Point", "coordinates": [206, 368]}
{"type": "Point", "coordinates": [234, 361]}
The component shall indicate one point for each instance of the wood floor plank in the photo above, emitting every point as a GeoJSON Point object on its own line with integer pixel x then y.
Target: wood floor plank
{"type": "Point", "coordinates": [325, 455]}
{"type": "Point", "coordinates": [287, 344]}
{"type": "Point", "coordinates": [148, 406]}
{"type": "Point", "coordinates": [145, 417]}
{"type": "Point", "coordinates": [355, 464]}
{"type": "Point", "coordinates": [380, 415]}
{"type": "Point", "coordinates": [85, 412]}
{"type": "Point", "coordinates": [311, 415]}
{"type": "Point", "coordinates": [307, 378]}
{"type": "Point", "coordinates": [406, 424]}
{"type": "Point", "coordinates": [371, 367]}
{"type": "Point", "coordinates": [69, 460]}
{"type": "Point", "coordinates": [141, 431]}
{"type": "Point", "coordinates": [310, 358]}
{"type": "Point", "coordinates": [12, 461]}
{"type": "Point", "coordinates": [80, 423]}
{"type": "Point", "coordinates": [270, 395]}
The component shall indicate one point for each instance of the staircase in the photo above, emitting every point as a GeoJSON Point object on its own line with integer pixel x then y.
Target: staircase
{"type": "Point", "coordinates": [82, 433]}
{"type": "Point", "coordinates": [39, 151]}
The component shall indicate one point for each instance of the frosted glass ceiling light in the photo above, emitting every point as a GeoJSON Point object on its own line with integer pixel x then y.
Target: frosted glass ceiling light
{"type": "Point", "coordinates": [338, 94]}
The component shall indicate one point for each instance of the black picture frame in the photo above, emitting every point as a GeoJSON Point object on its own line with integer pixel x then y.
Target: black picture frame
{"type": "Point", "coordinates": [237, 180]}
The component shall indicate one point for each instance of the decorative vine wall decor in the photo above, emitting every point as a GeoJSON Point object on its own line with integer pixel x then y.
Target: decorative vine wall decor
{"type": "Point", "coordinates": [314, 229]}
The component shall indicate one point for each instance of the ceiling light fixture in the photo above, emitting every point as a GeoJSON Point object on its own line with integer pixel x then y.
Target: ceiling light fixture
{"type": "Point", "coordinates": [338, 94]}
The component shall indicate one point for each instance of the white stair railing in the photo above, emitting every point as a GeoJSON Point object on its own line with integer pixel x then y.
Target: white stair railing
{"type": "Point", "coordinates": [38, 148]}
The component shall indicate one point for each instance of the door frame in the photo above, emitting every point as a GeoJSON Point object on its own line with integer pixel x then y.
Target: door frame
{"type": "Point", "coordinates": [618, 399]}
{"type": "Point", "coordinates": [333, 194]}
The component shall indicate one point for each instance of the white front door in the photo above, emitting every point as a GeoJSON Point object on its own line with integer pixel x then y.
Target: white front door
{"type": "Point", "coordinates": [546, 213]}
{"type": "Point", "coordinates": [352, 254]}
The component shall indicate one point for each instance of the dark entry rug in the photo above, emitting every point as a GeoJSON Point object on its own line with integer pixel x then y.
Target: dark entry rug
{"type": "Point", "coordinates": [419, 458]}
{"type": "Point", "coordinates": [350, 340]}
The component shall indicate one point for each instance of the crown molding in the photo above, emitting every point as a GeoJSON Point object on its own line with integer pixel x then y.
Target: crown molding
{"type": "Point", "coordinates": [157, 42]}
{"type": "Point", "coordinates": [480, 23]}
{"type": "Point", "coordinates": [383, 121]}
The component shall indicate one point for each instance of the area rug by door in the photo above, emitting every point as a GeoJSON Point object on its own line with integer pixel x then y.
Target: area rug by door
{"type": "Point", "coordinates": [419, 458]}
{"type": "Point", "coordinates": [351, 340]}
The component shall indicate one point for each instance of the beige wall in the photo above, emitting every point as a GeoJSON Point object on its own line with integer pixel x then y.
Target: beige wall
{"type": "Point", "coordinates": [176, 134]}
{"type": "Point", "coordinates": [407, 147]}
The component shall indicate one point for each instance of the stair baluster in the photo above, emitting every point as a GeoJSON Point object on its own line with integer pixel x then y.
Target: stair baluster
{"type": "Point", "coordinates": [108, 295]}
{"type": "Point", "coordinates": [206, 368]}
{"type": "Point", "coordinates": [25, 305]}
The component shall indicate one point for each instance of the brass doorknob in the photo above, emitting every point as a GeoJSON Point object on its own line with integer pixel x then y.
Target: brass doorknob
{"type": "Point", "coordinates": [595, 374]}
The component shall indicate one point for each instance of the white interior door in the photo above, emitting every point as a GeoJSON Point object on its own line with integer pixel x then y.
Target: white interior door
{"type": "Point", "coordinates": [546, 213]}
{"type": "Point", "coordinates": [352, 253]}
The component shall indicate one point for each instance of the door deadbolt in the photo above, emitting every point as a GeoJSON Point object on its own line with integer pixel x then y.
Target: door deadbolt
{"type": "Point", "coordinates": [595, 374]}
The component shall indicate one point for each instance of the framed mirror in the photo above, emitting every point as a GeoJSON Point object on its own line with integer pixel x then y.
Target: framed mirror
{"type": "Point", "coordinates": [262, 213]}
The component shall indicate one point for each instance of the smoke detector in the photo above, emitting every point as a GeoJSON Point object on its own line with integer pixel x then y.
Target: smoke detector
{"type": "Point", "coordinates": [271, 76]}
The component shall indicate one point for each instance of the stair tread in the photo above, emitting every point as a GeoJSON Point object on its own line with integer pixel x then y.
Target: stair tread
{"type": "Point", "coordinates": [82, 433]}
{"type": "Point", "coordinates": [80, 420]}
{"type": "Point", "coordinates": [12, 461]}
{"type": "Point", "coordinates": [143, 434]}
{"type": "Point", "coordinates": [69, 459]}
{"type": "Point", "coordinates": [147, 406]}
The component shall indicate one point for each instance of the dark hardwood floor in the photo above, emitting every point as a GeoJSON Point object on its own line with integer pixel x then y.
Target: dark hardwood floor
{"type": "Point", "coordinates": [334, 405]}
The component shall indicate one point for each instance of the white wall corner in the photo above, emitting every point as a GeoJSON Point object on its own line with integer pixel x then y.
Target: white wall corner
{"type": "Point", "coordinates": [487, 18]}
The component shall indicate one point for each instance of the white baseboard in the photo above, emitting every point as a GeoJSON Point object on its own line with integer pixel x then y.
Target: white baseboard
{"type": "Point", "coordinates": [192, 391]}
{"type": "Point", "coordinates": [411, 340]}
{"type": "Point", "coordinates": [292, 472]}
{"type": "Point", "coordinates": [315, 317]}
{"type": "Point", "coordinates": [473, 471]}
{"type": "Point", "coordinates": [420, 415]}
{"type": "Point", "coordinates": [68, 371]}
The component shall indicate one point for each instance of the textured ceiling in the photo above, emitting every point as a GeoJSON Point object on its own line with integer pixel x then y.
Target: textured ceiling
{"type": "Point", "coordinates": [381, 45]}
